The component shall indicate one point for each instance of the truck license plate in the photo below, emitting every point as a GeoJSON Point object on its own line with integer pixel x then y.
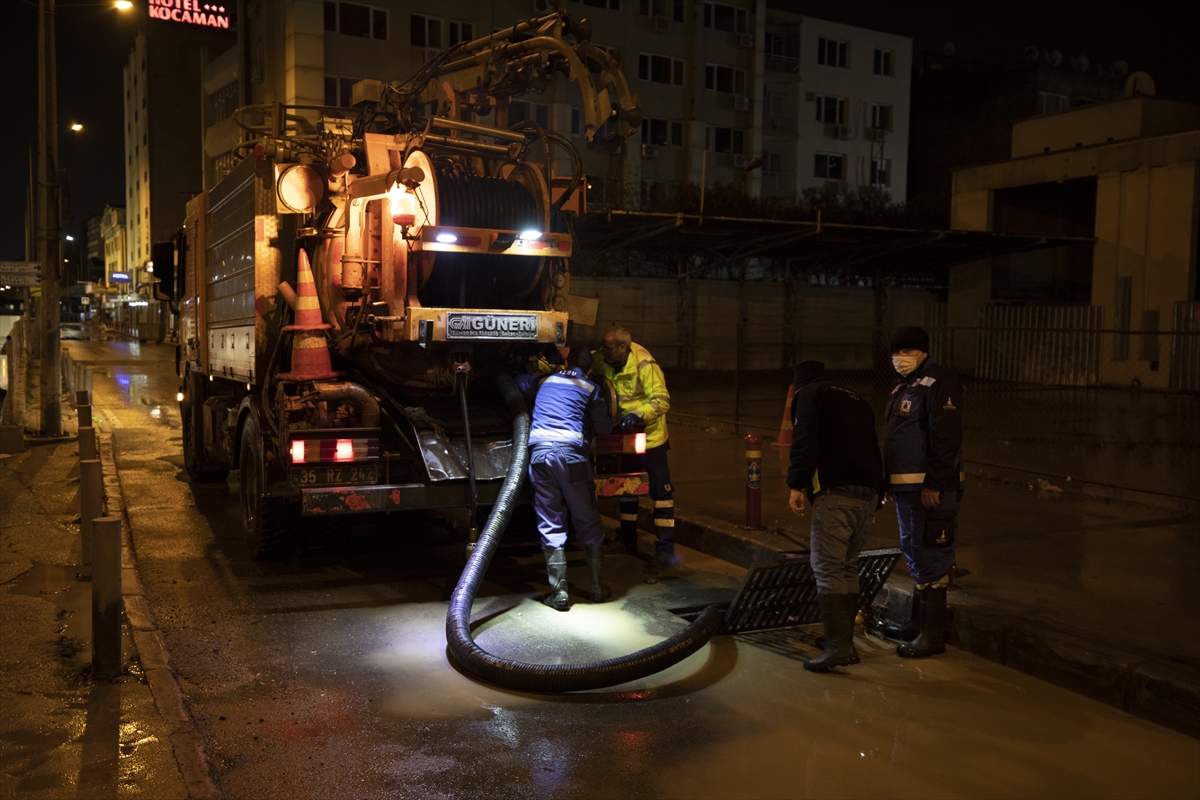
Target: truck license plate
{"type": "Point", "coordinates": [335, 476]}
{"type": "Point", "coordinates": [468, 325]}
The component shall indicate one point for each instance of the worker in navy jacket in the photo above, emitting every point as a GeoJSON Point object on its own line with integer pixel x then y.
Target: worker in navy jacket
{"type": "Point", "coordinates": [568, 411]}
{"type": "Point", "coordinates": [922, 455]}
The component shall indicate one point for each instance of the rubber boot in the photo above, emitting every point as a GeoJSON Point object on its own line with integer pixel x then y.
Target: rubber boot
{"type": "Point", "coordinates": [909, 630]}
{"type": "Point", "coordinates": [932, 638]}
{"type": "Point", "coordinates": [837, 615]}
{"type": "Point", "coordinates": [556, 568]}
{"type": "Point", "coordinates": [595, 559]}
{"type": "Point", "coordinates": [628, 532]}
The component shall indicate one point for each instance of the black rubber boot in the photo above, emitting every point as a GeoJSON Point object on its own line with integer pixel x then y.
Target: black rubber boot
{"type": "Point", "coordinates": [932, 638]}
{"type": "Point", "coordinates": [837, 615]}
{"type": "Point", "coordinates": [909, 630]}
{"type": "Point", "coordinates": [556, 568]}
{"type": "Point", "coordinates": [595, 559]}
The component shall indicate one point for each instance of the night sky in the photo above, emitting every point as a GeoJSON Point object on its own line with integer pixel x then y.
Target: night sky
{"type": "Point", "coordinates": [94, 40]}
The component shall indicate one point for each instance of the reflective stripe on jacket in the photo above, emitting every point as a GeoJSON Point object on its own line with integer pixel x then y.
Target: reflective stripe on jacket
{"type": "Point", "coordinates": [568, 410]}
{"type": "Point", "coordinates": [642, 389]}
{"type": "Point", "coordinates": [922, 446]}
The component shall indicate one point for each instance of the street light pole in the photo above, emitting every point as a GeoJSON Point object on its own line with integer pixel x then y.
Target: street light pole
{"type": "Point", "coordinates": [49, 252]}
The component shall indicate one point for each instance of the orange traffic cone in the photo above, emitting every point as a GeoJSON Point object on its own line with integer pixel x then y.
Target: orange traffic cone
{"type": "Point", "coordinates": [310, 352]}
{"type": "Point", "coordinates": [785, 429]}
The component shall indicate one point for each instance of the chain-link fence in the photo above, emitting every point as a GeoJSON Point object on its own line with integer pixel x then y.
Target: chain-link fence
{"type": "Point", "coordinates": [1039, 399]}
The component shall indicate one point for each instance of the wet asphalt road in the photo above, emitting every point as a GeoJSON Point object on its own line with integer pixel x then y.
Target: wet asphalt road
{"type": "Point", "coordinates": [327, 676]}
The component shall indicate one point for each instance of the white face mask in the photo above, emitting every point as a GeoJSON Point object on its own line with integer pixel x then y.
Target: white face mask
{"type": "Point", "coordinates": [905, 364]}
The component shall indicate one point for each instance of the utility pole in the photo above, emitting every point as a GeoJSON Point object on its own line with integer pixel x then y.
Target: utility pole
{"type": "Point", "coordinates": [49, 251]}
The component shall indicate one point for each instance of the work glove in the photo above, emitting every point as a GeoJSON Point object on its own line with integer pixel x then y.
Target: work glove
{"type": "Point", "coordinates": [628, 422]}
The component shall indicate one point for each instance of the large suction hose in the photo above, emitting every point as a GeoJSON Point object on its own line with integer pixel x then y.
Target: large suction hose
{"type": "Point", "coordinates": [548, 677]}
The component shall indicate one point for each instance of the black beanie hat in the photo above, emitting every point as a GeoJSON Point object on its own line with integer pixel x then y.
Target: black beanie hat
{"type": "Point", "coordinates": [807, 371]}
{"type": "Point", "coordinates": [910, 338]}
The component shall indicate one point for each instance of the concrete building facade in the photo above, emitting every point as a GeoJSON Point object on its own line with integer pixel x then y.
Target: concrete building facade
{"type": "Point", "coordinates": [1126, 172]}
{"type": "Point", "coordinates": [116, 247]}
{"type": "Point", "coordinates": [732, 92]}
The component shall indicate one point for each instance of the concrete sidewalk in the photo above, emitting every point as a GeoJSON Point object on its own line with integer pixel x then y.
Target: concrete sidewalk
{"type": "Point", "coordinates": [61, 733]}
{"type": "Point", "coordinates": [1094, 595]}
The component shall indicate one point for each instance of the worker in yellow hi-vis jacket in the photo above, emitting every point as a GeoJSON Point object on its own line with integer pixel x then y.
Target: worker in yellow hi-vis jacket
{"type": "Point", "coordinates": [642, 399]}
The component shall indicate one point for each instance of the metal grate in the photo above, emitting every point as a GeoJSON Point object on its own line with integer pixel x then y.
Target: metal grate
{"type": "Point", "coordinates": [783, 592]}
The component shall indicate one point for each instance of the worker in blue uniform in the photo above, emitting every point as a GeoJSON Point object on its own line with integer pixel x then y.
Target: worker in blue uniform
{"type": "Point", "coordinates": [568, 411]}
{"type": "Point", "coordinates": [922, 454]}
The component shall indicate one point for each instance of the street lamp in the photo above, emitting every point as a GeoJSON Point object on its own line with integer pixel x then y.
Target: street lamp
{"type": "Point", "coordinates": [123, 5]}
{"type": "Point", "coordinates": [77, 127]}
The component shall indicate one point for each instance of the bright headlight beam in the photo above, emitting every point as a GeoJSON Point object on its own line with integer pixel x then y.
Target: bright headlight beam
{"type": "Point", "coordinates": [529, 236]}
{"type": "Point", "coordinates": [446, 237]}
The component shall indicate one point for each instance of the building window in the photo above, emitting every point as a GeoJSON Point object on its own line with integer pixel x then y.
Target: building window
{"type": "Point", "coordinates": [881, 172]}
{"type": "Point", "coordinates": [1051, 103]}
{"type": "Point", "coordinates": [725, 18]}
{"type": "Point", "coordinates": [660, 69]}
{"type": "Point", "coordinates": [338, 90]}
{"type": "Point", "coordinates": [831, 52]}
{"type": "Point", "coordinates": [459, 32]}
{"type": "Point", "coordinates": [577, 122]}
{"type": "Point", "coordinates": [829, 166]}
{"type": "Point", "coordinates": [883, 62]}
{"type": "Point", "coordinates": [520, 111]}
{"type": "Point", "coordinates": [613, 5]}
{"type": "Point", "coordinates": [724, 79]}
{"type": "Point", "coordinates": [782, 52]}
{"type": "Point", "coordinates": [831, 109]}
{"type": "Point", "coordinates": [671, 9]}
{"type": "Point", "coordinates": [356, 19]}
{"type": "Point", "coordinates": [724, 140]}
{"type": "Point", "coordinates": [881, 116]}
{"type": "Point", "coordinates": [662, 132]}
{"type": "Point", "coordinates": [772, 163]}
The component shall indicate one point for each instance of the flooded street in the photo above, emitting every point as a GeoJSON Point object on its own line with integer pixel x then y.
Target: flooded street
{"type": "Point", "coordinates": [327, 675]}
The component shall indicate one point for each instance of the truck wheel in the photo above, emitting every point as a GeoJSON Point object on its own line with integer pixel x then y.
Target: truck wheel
{"type": "Point", "coordinates": [265, 522]}
{"type": "Point", "coordinates": [194, 462]}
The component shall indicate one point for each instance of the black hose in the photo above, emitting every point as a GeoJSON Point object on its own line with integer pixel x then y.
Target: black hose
{"type": "Point", "coordinates": [548, 677]}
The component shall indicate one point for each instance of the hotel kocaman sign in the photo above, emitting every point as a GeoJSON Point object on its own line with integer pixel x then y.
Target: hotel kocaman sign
{"type": "Point", "coordinates": [197, 12]}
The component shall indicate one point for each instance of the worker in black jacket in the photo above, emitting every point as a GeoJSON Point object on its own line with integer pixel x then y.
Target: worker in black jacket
{"type": "Point", "coordinates": [924, 463]}
{"type": "Point", "coordinates": [835, 465]}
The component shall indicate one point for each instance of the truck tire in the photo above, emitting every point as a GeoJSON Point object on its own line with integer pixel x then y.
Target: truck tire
{"type": "Point", "coordinates": [265, 521]}
{"type": "Point", "coordinates": [195, 464]}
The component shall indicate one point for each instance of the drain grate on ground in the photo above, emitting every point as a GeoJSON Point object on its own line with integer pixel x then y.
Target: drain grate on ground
{"type": "Point", "coordinates": [783, 592]}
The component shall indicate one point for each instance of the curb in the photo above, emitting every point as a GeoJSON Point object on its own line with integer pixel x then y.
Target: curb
{"type": "Point", "coordinates": [1154, 689]}
{"type": "Point", "coordinates": [186, 742]}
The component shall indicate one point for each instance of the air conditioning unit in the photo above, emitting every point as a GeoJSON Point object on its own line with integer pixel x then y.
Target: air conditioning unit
{"type": "Point", "coordinates": [741, 102]}
{"type": "Point", "coordinates": [845, 131]}
{"type": "Point", "coordinates": [746, 40]}
{"type": "Point", "coordinates": [741, 161]}
{"type": "Point", "coordinates": [662, 25]}
{"type": "Point", "coordinates": [648, 151]}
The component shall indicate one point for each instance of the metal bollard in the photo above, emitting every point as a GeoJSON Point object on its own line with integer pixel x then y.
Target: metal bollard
{"type": "Point", "coordinates": [91, 505]}
{"type": "Point", "coordinates": [753, 482]}
{"type": "Point", "coordinates": [106, 598]}
{"type": "Point", "coordinates": [83, 409]}
{"type": "Point", "coordinates": [87, 443]}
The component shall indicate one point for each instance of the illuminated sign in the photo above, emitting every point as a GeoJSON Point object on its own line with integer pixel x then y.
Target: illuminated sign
{"type": "Point", "coordinates": [196, 12]}
{"type": "Point", "coordinates": [119, 277]}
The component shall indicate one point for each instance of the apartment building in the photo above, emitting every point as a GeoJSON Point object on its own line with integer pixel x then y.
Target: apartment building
{"type": "Point", "coordinates": [116, 250]}
{"type": "Point", "coordinates": [733, 93]}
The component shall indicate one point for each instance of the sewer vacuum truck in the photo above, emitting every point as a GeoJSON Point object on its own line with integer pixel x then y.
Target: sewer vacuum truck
{"type": "Point", "coordinates": [350, 291]}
